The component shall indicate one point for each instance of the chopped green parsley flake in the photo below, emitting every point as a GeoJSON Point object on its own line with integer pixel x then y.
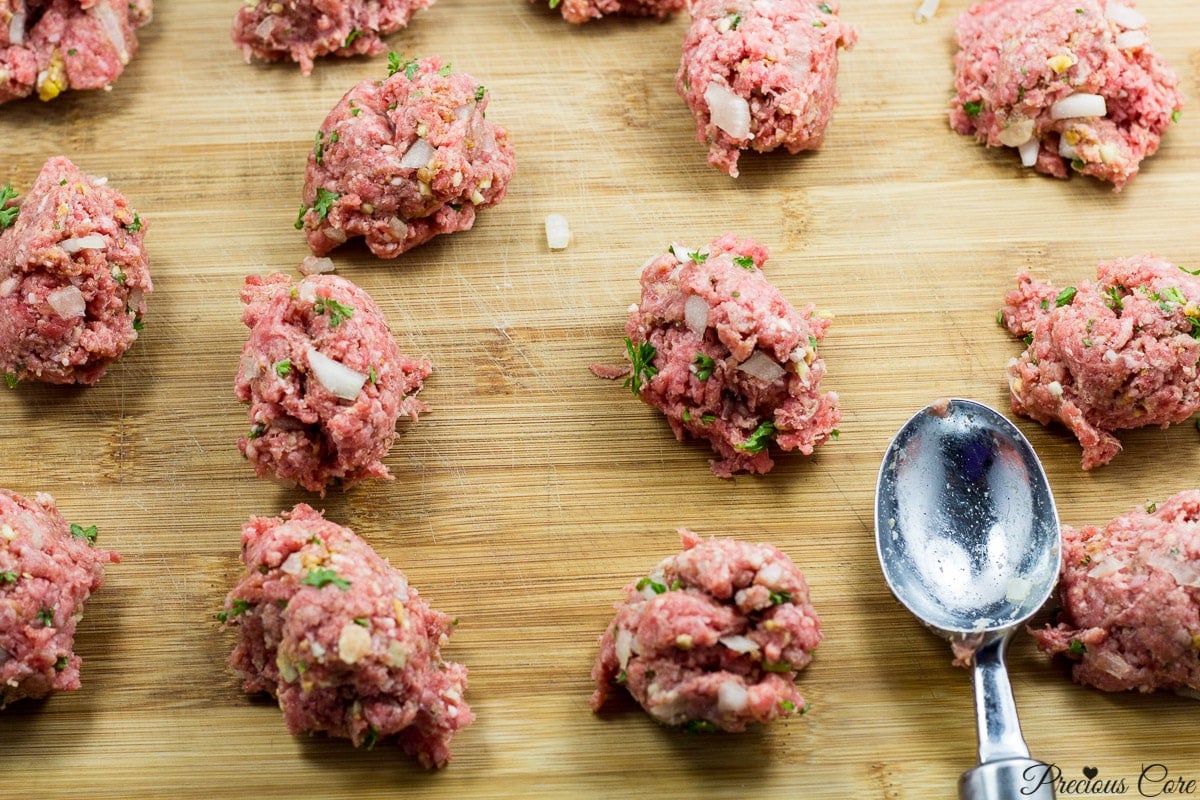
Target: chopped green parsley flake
{"type": "Point", "coordinates": [300, 217]}
{"type": "Point", "coordinates": [338, 313]}
{"type": "Point", "coordinates": [641, 356]}
{"type": "Point", "coordinates": [7, 215]}
{"type": "Point", "coordinates": [256, 431]}
{"type": "Point", "coordinates": [363, 621]}
{"type": "Point", "coordinates": [138, 324]}
{"type": "Point", "coordinates": [1076, 648]}
{"type": "Point", "coordinates": [700, 726]}
{"type": "Point", "coordinates": [687, 415]}
{"type": "Point", "coordinates": [704, 366]}
{"type": "Point", "coordinates": [818, 24]}
{"type": "Point", "coordinates": [1112, 299]}
{"type": "Point", "coordinates": [1151, 507]}
{"type": "Point", "coordinates": [237, 607]}
{"type": "Point", "coordinates": [1065, 297]}
{"type": "Point", "coordinates": [777, 666]}
{"type": "Point", "coordinates": [444, 71]}
{"type": "Point", "coordinates": [325, 200]}
{"type": "Point", "coordinates": [351, 36]}
{"type": "Point", "coordinates": [735, 19]}
{"type": "Point", "coordinates": [136, 225]}
{"type": "Point", "coordinates": [80, 532]}
{"type": "Point", "coordinates": [1176, 115]}
{"type": "Point", "coordinates": [554, 3]}
{"type": "Point", "coordinates": [8, 577]}
{"type": "Point", "coordinates": [1028, 339]}
{"type": "Point", "coordinates": [621, 678]}
{"type": "Point", "coordinates": [708, 419]}
{"type": "Point", "coordinates": [11, 380]}
{"type": "Point", "coordinates": [372, 376]}
{"type": "Point", "coordinates": [760, 440]}
{"type": "Point", "coordinates": [973, 108]}
{"type": "Point", "coordinates": [835, 434]}
{"type": "Point", "coordinates": [787, 705]}
{"type": "Point", "coordinates": [480, 91]}
{"type": "Point", "coordinates": [322, 577]}
{"type": "Point", "coordinates": [283, 367]}
{"type": "Point", "coordinates": [118, 275]}
{"type": "Point", "coordinates": [61, 663]}
{"type": "Point", "coordinates": [654, 585]}
{"type": "Point", "coordinates": [779, 598]}
{"type": "Point", "coordinates": [369, 741]}
{"type": "Point", "coordinates": [1078, 164]}
{"type": "Point", "coordinates": [825, 8]}
{"type": "Point", "coordinates": [1000, 318]}
{"type": "Point", "coordinates": [745, 262]}
{"type": "Point", "coordinates": [45, 616]}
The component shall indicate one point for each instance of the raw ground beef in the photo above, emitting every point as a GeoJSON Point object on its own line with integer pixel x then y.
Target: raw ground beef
{"type": "Point", "coordinates": [761, 75]}
{"type": "Point", "coordinates": [1130, 595]}
{"type": "Point", "coordinates": [73, 278]}
{"type": "Point", "coordinates": [402, 160]}
{"type": "Point", "coordinates": [48, 570]}
{"type": "Point", "coordinates": [1106, 356]}
{"type": "Point", "coordinates": [1020, 60]}
{"type": "Point", "coordinates": [274, 30]}
{"type": "Point", "coordinates": [325, 381]}
{"type": "Point", "coordinates": [712, 638]}
{"type": "Point", "coordinates": [50, 46]}
{"type": "Point", "coordinates": [339, 638]}
{"type": "Point", "coordinates": [580, 11]}
{"type": "Point", "coordinates": [726, 358]}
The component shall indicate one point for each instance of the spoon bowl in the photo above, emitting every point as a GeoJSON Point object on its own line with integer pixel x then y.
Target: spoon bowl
{"type": "Point", "coordinates": [968, 540]}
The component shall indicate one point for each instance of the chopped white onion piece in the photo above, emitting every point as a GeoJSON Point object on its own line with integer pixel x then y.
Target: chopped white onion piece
{"type": "Point", "coordinates": [311, 265]}
{"type": "Point", "coordinates": [1080, 104]}
{"type": "Point", "coordinates": [1131, 40]}
{"type": "Point", "coordinates": [762, 366]}
{"type": "Point", "coordinates": [67, 302]}
{"type": "Point", "coordinates": [339, 379]}
{"type": "Point", "coordinates": [112, 28]}
{"type": "Point", "coordinates": [732, 697]}
{"type": "Point", "coordinates": [1185, 573]}
{"type": "Point", "coordinates": [92, 241]}
{"type": "Point", "coordinates": [926, 10]}
{"type": "Point", "coordinates": [306, 292]}
{"type": "Point", "coordinates": [728, 112]}
{"type": "Point", "coordinates": [695, 314]}
{"type": "Point", "coordinates": [739, 644]}
{"type": "Point", "coordinates": [1113, 664]}
{"type": "Point", "coordinates": [1065, 149]}
{"type": "Point", "coordinates": [1123, 15]}
{"type": "Point", "coordinates": [417, 156]}
{"type": "Point", "coordinates": [1016, 133]}
{"type": "Point", "coordinates": [558, 232]}
{"type": "Point", "coordinates": [266, 27]}
{"type": "Point", "coordinates": [16, 28]}
{"type": "Point", "coordinates": [1029, 152]}
{"type": "Point", "coordinates": [623, 643]}
{"type": "Point", "coordinates": [1106, 567]}
{"type": "Point", "coordinates": [463, 111]}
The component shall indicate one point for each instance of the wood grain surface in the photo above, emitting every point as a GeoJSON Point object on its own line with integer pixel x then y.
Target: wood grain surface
{"type": "Point", "coordinates": [533, 492]}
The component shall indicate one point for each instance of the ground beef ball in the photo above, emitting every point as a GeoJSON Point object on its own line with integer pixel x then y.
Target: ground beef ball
{"type": "Point", "coordinates": [712, 638]}
{"type": "Point", "coordinates": [1065, 83]}
{"type": "Point", "coordinates": [761, 75]}
{"type": "Point", "coordinates": [1106, 356]}
{"type": "Point", "coordinates": [50, 46]}
{"type": "Point", "coordinates": [402, 160]}
{"type": "Point", "coordinates": [48, 570]}
{"type": "Point", "coordinates": [73, 277]}
{"type": "Point", "coordinates": [726, 358]}
{"type": "Point", "coordinates": [325, 381]}
{"type": "Point", "coordinates": [581, 11]}
{"type": "Point", "coordinates": [274, 30]}
{"type": "Point", "coordinates": [1130, 595]}
{"type": "Point", "coordinates": [340, 639]}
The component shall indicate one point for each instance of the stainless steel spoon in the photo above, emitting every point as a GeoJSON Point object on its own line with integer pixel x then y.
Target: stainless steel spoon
{"type": "Point", "coordinates": [968, 539]}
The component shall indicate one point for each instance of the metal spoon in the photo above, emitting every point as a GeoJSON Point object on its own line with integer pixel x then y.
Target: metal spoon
{"type": "Point", "coordinates": [968, 539]}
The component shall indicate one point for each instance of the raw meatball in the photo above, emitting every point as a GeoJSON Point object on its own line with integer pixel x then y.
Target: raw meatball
{"type": "Point", "coordinates": [73, 277]}
{"type": "Point", "coordinates": [402, 160]}
{"type": "Point", "coordinates": [1130, 595]}
{"type": "Point", "coordinates": [1106, 356]}
{"type": "Point", "coordinates": [48, 570]}
{"type": "Point", "coordinates": [339, 638]}
{"type": "Point", "coordinates": [580, 11]}
{"type": "Point", "coordinates": [726, 358]}
{"type": "Point", "coordinates": [54, 45]}
{"type": "Point", "coordinates": [325, 381]}
{"type": "Point", "coordinates": [712, 638]}
{"type": "Point", "coordinates": [274, 30]}
{"type": "Point", "coordinates": [1066, 83]}
{"type": "Point", "coordinates": [761, 76]}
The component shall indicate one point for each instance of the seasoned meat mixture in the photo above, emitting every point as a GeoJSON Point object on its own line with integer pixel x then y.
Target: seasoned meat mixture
{"type": "Point", "coordinates": [712, 638]}
{"type": "Point", "coordinates": [341, 640]}
{"type": "Point", "coordinates": [1068, 84]}
{"type": "Point", "coordinates": [73, 277]}
{"type": "Point", "coordinates": [1130, 595]}
{"type": "Point", "coordinates": [1106, 356]}
{"type": "Point", "coordinates": [325, 381]}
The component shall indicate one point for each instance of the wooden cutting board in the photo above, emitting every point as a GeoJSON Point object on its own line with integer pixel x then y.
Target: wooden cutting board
{"type": "Point", "coordinates": [533, 492]}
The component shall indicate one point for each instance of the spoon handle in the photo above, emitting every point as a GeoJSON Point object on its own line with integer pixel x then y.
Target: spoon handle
{"type": "Point", "coordinates": [996, 711]}
{"type": "Point", "coordinates": [1005, 771]}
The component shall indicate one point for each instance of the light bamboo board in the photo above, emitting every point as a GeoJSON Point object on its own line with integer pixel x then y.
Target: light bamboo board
{"type": "Point", "coordinates": [533, 492]}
